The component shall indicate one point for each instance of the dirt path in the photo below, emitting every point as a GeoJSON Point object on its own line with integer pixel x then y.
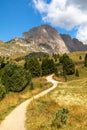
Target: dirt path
{"type": "Point", "coordinates": [16, 119]}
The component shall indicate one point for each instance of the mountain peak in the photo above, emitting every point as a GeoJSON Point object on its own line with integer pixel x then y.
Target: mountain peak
{"type": "Point", "coordinates": [36, 32]}
{"type": "Point", "coordinates": [46, 37]}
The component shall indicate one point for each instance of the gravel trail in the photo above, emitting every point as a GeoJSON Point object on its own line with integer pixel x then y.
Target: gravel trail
{"type": "Point", "coordinates": [16, 119]}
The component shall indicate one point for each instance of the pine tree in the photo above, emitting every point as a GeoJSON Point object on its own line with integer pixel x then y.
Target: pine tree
{"type": "Point", "coordinates": [68, 64]}
{"type": "Point", "coordinates": [80, 57]}
{"type": "Point", "coordinates": [48, 66]}
{"type": "Point", "coordinates": [15, 78]}
{"type": "Point", "coordinates": [86, 60]}
{"type": "Point", "coordinates": [56, 72]}
{"type": "Point", "coordinates": [77, 73]}
{"type": "Point", "coordinates": [33, 65]}
{"type": "Point", "coordinates": [2, 63]}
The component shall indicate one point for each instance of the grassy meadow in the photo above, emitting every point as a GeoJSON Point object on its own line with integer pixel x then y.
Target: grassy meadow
{"type": "Point", "coordinates": [71, 95]}
{"type": "Point", "coordinates": [75, 56]}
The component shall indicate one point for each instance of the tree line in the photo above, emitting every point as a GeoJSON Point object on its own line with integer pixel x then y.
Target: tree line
{"type": "Point", "coordinates": [15, 78]}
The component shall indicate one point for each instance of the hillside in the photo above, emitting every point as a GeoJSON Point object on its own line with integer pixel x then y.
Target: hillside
{"type": "Point", "coordinates": [72, 96]}
{"type": "Point", "coordinates": [17, 47]}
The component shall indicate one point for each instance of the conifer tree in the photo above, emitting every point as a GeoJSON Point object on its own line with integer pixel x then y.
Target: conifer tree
{"type": "Point", "coordinates": [77, 73]}
{"type": "Point", "coordinates": [47, 66]}
{"type": "Point", "coordinates": [33, 65]}
{"type": "Point", "coordinates": [15, 78]}
{"type": "Point", "coordinates": [86, 60]}
{"type": "Point", "coordinates": [68, 64]}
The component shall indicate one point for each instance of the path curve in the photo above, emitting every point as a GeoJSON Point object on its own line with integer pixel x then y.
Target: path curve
{"type": "Point", "coordinates": [16, 119]}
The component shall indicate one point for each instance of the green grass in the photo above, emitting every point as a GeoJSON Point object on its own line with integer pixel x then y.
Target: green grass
{"type": "Point", "coordinates": [11, 100]}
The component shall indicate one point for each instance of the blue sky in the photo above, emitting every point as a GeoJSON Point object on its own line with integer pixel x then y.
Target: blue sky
{"type": "Point", "coordinates": [18, 16]}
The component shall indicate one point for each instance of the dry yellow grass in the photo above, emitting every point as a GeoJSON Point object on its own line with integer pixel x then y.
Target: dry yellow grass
{"type": "Point", "coordinates": [8, 103]}
{"type": "Point", "coordinates": [71, 95]}
{"type": "Point", "coordinates": [60, 78]}
{"type": "Point", "coordinates": [75, 56]}
{"type": "Point", "coordinates": [39, 114]}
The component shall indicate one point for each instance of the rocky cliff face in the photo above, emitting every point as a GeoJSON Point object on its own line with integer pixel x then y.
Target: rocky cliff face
{"type": "Point", "coordinates": [47, 38]}
{"type": "Point", "coordinates": [73, 44]}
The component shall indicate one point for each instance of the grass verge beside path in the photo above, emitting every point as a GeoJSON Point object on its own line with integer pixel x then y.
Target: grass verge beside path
{"type": "Point", "coordinates": [8, 103]}
{"type": "Point", "coordinates": [71, 95]}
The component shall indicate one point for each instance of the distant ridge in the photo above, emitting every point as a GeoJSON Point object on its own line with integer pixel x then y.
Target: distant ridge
{"type": "Point", "coordinates": [73, 44]}
{"type": "Point", "coordinates": [44, 39]}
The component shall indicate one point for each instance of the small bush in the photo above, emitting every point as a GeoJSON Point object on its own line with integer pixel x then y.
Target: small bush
{"type": "Point", "coordinates": [41, 85]}
{"type": "Point", "coordinates": [65, 76]}
{"type": "Point", "coordinates": [2, 91]}
{"type": "Point", "coordinates": [31, 86]}
{"type": "Point", "coordinates": [80, 57]}
{"type": "Point", "coordinates": [77, 73]}
{"type": "Point", "coordinates": [60, 118]}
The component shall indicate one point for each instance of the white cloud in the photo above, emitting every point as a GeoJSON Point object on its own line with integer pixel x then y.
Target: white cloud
{"type": "Point", "coordinates": [82, 33]}
{"type": "Point", "coordinates": [66, 14]}
{"type": "Point", "coordinates": [41, 6]}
